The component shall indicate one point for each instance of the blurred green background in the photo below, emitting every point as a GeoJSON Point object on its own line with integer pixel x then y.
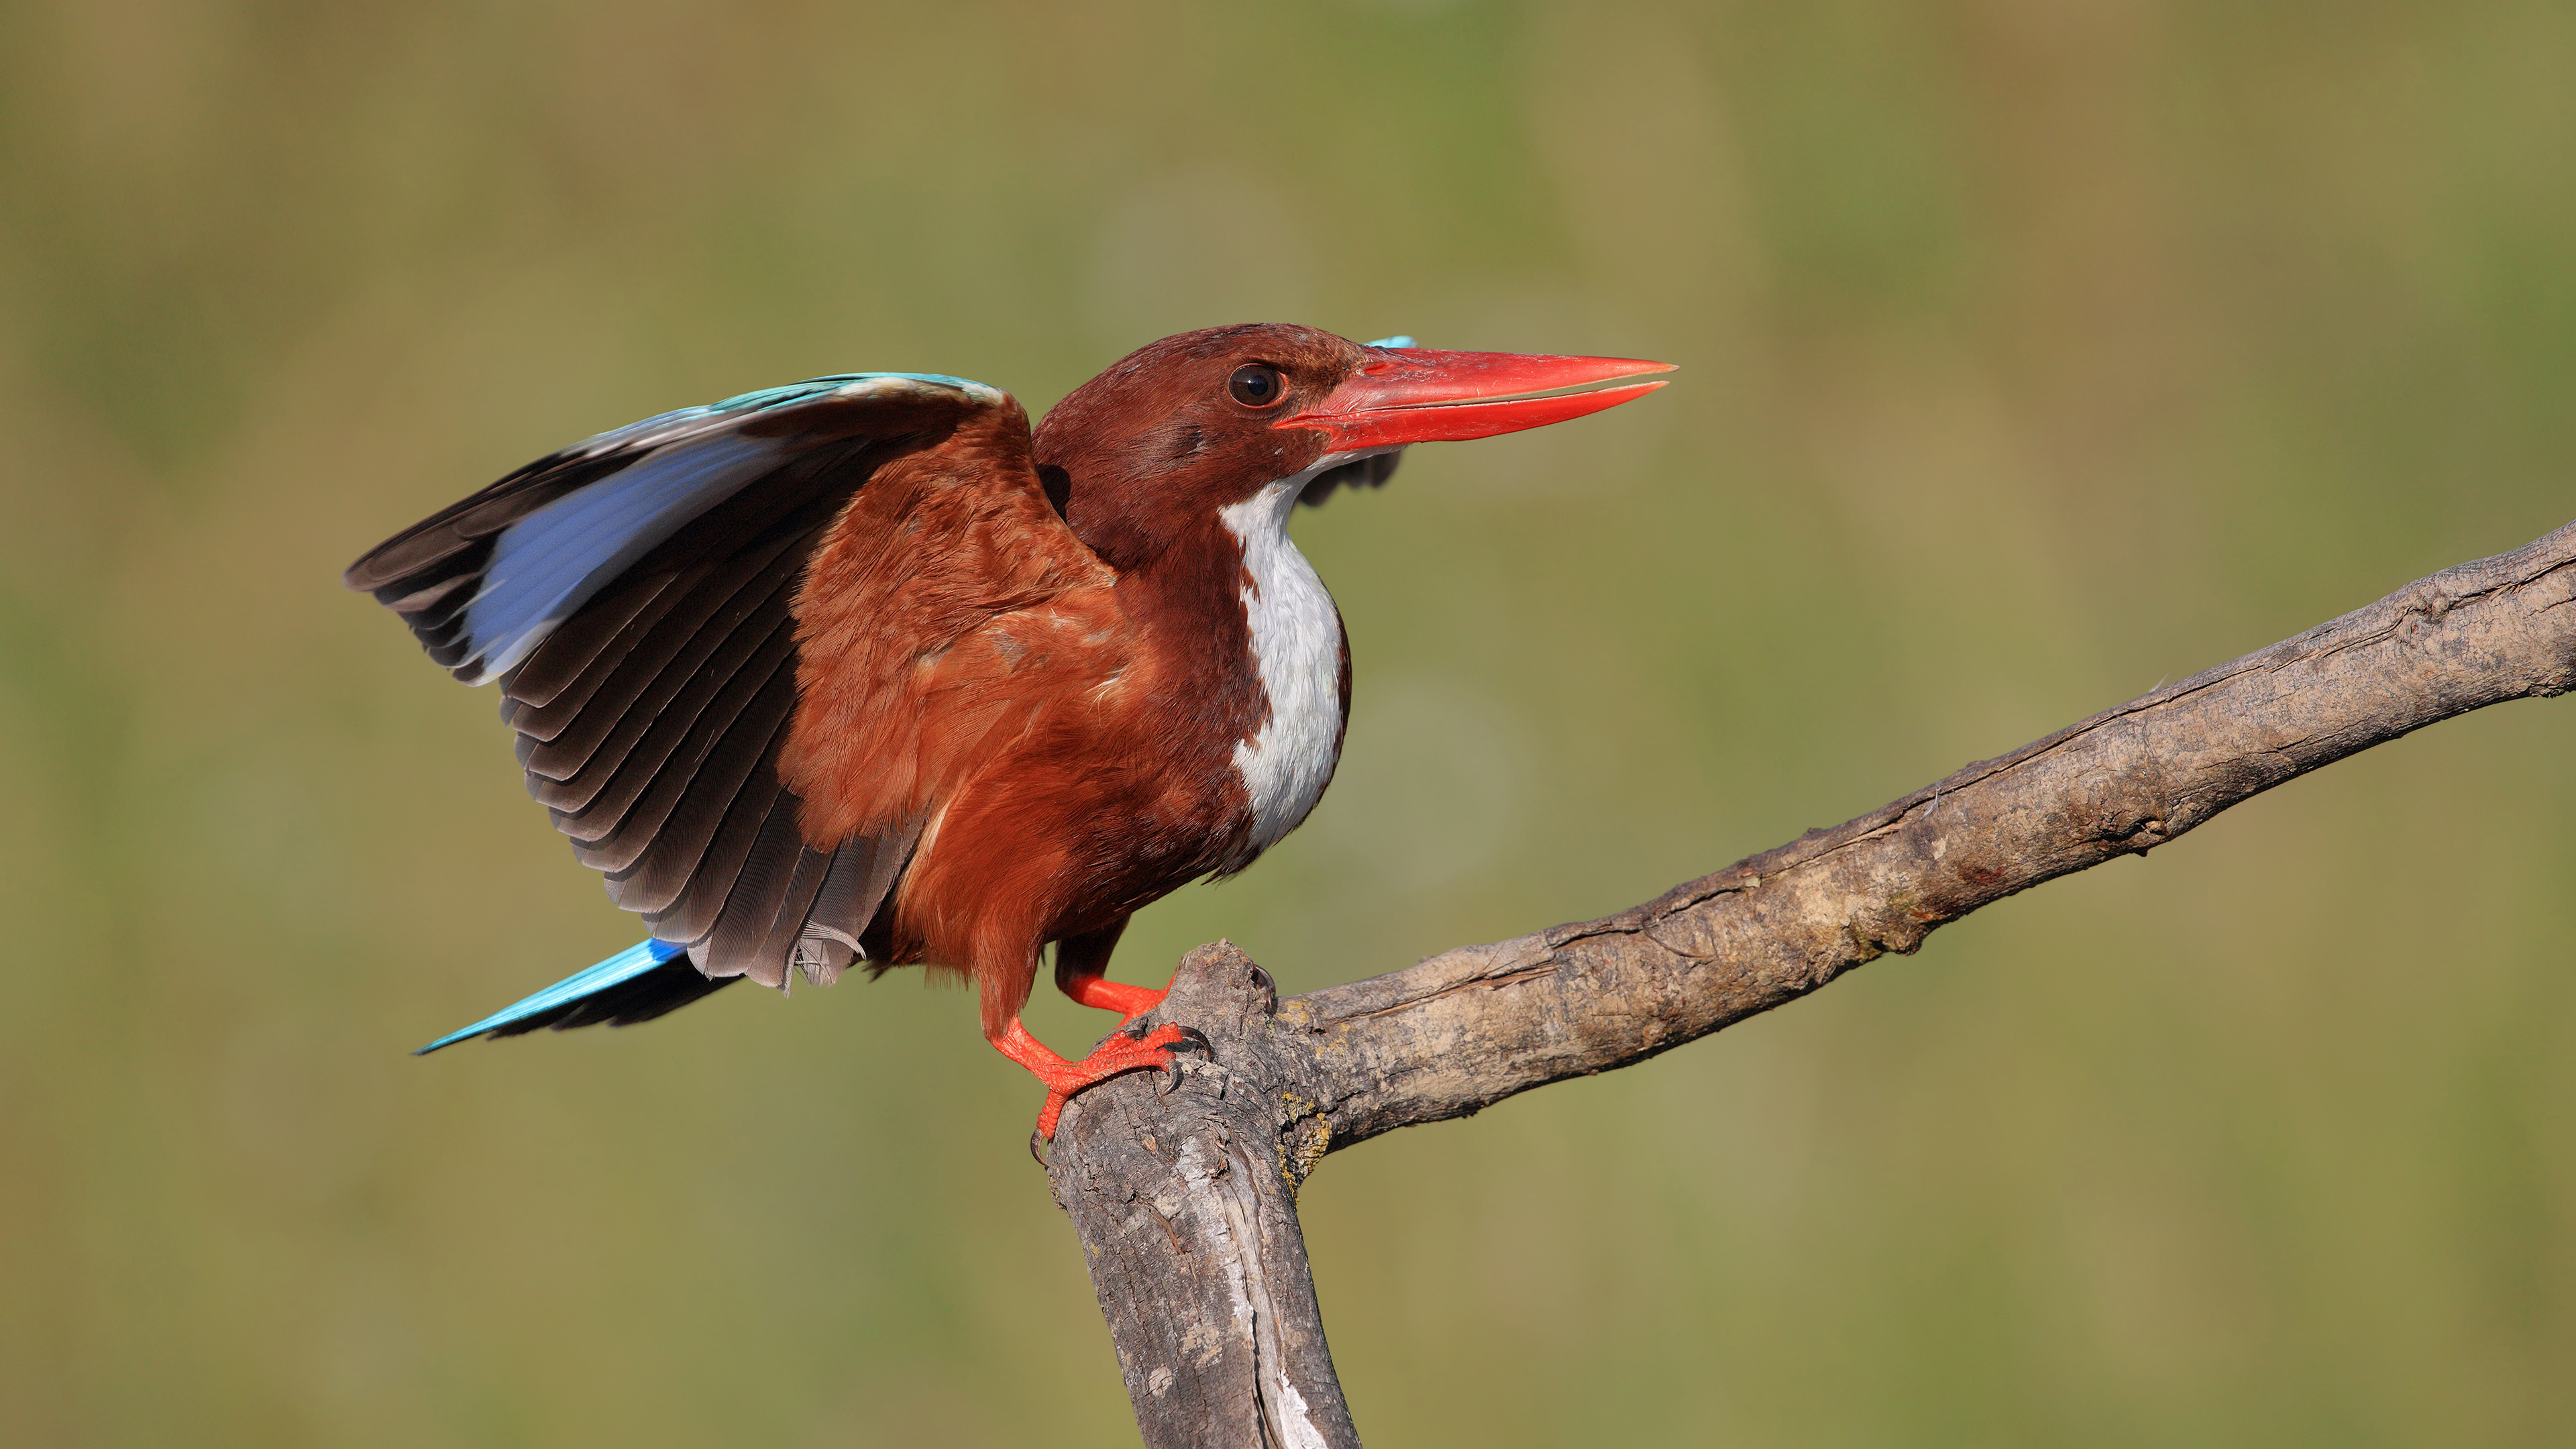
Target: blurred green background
{"type": "Point", "coordinates": [2034, 350]}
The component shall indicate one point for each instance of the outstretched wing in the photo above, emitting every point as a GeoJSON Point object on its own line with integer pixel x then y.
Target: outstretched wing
{"type": "Point", "coordinates": [636, 596]}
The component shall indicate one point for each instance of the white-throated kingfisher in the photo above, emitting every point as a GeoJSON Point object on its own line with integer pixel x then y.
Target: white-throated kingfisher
{"type": "Point", "coordinates": [861, 670]}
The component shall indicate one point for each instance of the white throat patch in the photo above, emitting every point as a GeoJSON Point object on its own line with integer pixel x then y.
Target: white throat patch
{"type": "Point", "coordinates": [1297, 647]}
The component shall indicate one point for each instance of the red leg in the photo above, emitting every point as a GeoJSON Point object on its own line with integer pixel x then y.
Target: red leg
{"type": "Point", "coordinates": [1130, 1002]}
{"type": "Point", "coordinates": [1120, 1053]}
{"type": "Point", "coordinates": [1081, 966]}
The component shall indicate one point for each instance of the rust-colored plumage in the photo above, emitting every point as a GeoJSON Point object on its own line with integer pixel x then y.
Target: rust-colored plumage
{"type": "Point", "coordinates": [861, 669]}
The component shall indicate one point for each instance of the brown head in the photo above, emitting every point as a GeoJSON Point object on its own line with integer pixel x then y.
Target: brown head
{"type": "Point", "coordinates": [1152, 448]}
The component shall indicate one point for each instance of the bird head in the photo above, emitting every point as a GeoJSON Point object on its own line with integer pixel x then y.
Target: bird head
{"type": "Point", "coordinates": [1193, 424]}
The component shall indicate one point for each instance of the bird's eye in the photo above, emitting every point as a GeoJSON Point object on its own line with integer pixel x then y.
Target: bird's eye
{"type": "Point", "coordinates": [1256, 386]}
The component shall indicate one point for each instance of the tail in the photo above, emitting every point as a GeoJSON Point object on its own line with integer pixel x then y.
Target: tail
{"type": "Point", "coordinates": [637, 984]}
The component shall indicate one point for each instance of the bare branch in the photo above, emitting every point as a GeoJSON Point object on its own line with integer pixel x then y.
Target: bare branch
{"type": "Point", "coordinates": [1475, 1025]}
{"type": "Point", "coordinates": [1472, 1026]}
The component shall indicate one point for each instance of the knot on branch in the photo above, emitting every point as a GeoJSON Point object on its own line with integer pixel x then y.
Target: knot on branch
{"type": "Point", "coordinates": [2428, 600]}
{"type": "Point", "coordinates": [1217, 983]}
{"type": "Point", "coordinates": [2127, 809]}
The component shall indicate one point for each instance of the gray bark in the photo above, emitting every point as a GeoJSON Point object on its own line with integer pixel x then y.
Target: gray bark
{"type": "Point", "coordinates": [1183, 1188]}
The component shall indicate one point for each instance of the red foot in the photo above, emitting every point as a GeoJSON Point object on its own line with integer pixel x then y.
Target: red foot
{"type": "Point", "coordinates": [1130, 1002]}
{"type": "Point", "coordinates": [1063, 1079]}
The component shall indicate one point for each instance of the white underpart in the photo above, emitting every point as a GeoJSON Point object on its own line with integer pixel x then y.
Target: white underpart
{"type": "Point", "coordinates": [1297, 648]}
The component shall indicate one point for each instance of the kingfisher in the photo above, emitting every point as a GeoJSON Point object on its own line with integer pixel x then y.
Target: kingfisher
{"type": "Point", "coordinates": [864, 671]}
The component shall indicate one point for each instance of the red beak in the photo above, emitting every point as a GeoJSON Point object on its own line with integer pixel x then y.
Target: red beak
{"type": "Point", "coordinates": [1407, 395]}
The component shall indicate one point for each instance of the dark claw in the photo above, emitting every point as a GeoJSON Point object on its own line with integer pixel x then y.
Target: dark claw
{"type": "Point", "coordinates": [1190, 1037]}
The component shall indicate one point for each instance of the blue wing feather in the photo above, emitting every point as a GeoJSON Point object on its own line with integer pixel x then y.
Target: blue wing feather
{"type": "Point", "coordinates": [548, 564]}
{"type": "Point", "coordinates": [541, 543]}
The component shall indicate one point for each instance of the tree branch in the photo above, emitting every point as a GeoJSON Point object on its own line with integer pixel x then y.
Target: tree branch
{"type": "Point", "coordinates": [1185, 1196]}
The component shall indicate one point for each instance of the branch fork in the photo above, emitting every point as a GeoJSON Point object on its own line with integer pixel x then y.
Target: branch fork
{"type": "Point", "coordinates": [1183, 1189]}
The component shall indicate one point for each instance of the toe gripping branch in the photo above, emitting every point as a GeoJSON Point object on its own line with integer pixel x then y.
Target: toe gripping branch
{"type": "Point", "coordinates": [1125, 1051]}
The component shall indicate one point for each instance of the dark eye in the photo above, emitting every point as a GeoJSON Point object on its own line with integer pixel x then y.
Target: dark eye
{"type": "Point", "coordinates": [1256, 386]}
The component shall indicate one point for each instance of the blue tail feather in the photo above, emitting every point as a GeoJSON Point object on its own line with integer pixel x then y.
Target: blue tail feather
{"type": "Point", "coordinates": [636, 960]}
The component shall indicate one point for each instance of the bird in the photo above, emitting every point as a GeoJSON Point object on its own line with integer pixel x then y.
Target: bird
{"type": "Point", "coordinates": [864, 670]}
